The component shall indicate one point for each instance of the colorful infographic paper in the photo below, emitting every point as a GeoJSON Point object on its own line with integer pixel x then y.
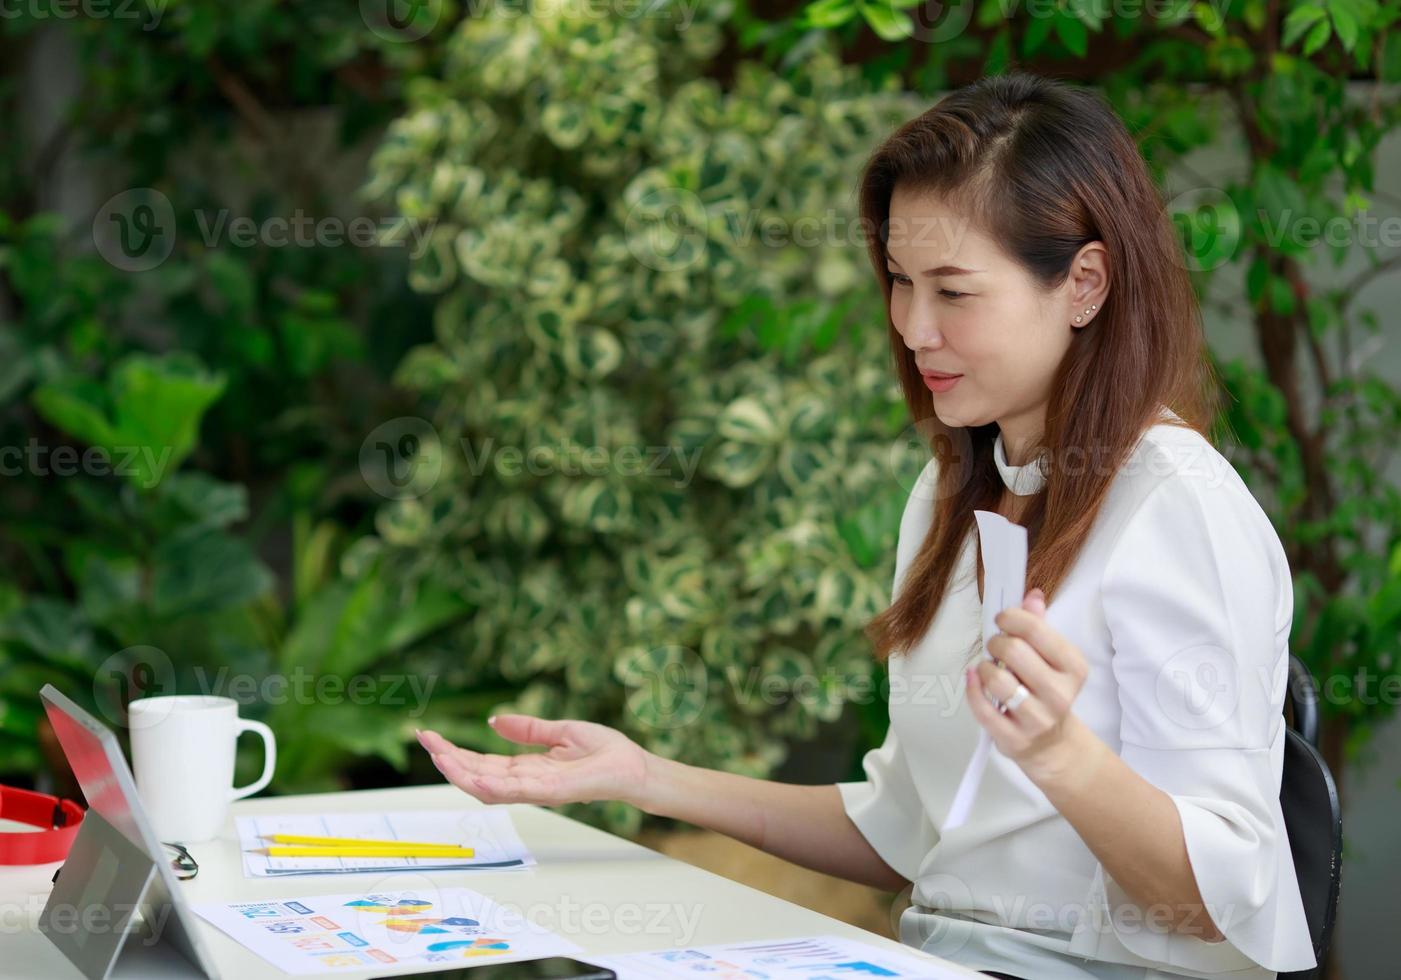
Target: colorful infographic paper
{"type": "Point", "coordinates": [357, 931]}
{"type": "Point", "coordinates": [808, 958]}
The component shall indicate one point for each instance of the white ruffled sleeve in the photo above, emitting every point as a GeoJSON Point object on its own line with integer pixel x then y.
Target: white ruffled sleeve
{"type": "Point", "coordinates": [1198, 601]}
{"type": "Point", "coordinates": [887, 809]}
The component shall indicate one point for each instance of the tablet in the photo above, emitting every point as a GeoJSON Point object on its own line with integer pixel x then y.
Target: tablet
{"type": "Point", "coordinates": [116, 858]}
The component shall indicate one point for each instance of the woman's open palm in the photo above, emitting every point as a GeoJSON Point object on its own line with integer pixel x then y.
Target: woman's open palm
{"type": "Point", "coordinates": [585, 762]}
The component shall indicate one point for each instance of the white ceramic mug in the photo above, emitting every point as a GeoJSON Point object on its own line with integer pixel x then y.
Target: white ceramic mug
{"type": "Point", "coordinates": [182, 751]}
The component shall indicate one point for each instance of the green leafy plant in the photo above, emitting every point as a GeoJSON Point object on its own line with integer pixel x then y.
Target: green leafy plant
{"type": "Point", "coordinates": [615, 233]}
{"type": "Point", "coordinates": [157, 538]}
{"type": "Point", "coordinates": [148, 413]}
{"type": "Point", "coordinates": [351, 623]}
{"type": "Point", "coordinates": [160, 590]}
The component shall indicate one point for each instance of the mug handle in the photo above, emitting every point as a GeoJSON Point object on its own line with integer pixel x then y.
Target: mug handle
{"type": "Point", "coordinates": [269, 757]}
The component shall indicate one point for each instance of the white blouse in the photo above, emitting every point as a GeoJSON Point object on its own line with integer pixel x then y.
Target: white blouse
{"type": "Point", "coordinates": [1181, 600]}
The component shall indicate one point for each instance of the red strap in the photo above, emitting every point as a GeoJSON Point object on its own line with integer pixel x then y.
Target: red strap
{"type": "Point", "coordinates": [59, 818]}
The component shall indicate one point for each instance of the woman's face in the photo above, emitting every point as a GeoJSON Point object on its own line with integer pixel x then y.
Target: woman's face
{"type": "Point", "coordinates": [965, 307]}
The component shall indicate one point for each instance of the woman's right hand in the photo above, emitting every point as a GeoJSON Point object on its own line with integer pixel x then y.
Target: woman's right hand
{"type": "Point", "coordinates": [585, 762]}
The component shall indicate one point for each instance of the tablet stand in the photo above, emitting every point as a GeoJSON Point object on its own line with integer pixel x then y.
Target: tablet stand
{"type": "Point", "coordinates": [92, 912]}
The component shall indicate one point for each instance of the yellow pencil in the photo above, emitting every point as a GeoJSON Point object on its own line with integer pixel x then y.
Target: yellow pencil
{"type": "Point", "coordinates": [374, 850]}
{"type": "Point", "coordinates": [350, 841]}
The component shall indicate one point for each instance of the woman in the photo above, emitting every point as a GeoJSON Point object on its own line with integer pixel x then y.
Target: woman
{"type": "Point", "coordinates": [1047, 337]}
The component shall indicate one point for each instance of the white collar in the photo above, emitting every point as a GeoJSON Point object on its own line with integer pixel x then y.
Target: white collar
{"type": "Point", "coordinates": [1031, 478]}
{"type": "Point", "coordinates": [1021, 480]}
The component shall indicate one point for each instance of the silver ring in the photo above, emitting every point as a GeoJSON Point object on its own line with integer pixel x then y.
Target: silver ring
{"type": "Point", "coordinates": [1018, 696]}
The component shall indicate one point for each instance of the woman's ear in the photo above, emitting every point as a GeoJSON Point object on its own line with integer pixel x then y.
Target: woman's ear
{"type": "Point", "coordinates": [1088, 283]}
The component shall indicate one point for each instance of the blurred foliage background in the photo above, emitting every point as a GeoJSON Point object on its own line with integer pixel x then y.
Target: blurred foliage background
{"type": "Point", "coordinates": [620, 247]}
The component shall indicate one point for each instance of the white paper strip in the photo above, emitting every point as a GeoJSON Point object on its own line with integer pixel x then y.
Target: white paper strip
{"type": "Point", "coordinates": [489, 831]}
{"type": "Point", "coordinates": [1003, 546]}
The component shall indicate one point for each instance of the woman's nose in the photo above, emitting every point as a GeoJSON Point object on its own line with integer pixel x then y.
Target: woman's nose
{"type": "Point", "coordinates": [920, 330]}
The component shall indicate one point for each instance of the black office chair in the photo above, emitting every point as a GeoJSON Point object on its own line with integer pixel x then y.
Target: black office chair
{"type": "Point", "coordinates": [1313, 816]}
{"type": "Point", "coordinates": [1301, 702]}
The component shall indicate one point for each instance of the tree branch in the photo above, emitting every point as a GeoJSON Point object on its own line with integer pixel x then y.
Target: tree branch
{"type": "Point", "coordinates": [1351, 288]}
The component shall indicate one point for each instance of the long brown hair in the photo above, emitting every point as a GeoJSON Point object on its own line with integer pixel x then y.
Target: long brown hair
{"type": "Point", "coordinates": [1043, 168]}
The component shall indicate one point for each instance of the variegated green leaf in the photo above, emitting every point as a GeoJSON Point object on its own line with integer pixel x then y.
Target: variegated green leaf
{"type": "Point", "coordinates": [737, 464]}
{"type": "Point", "coordinates": [750, 421]}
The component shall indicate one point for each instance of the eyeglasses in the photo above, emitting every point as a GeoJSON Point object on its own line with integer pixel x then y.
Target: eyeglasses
{"type": "Point", "coordinates": [183, 862]}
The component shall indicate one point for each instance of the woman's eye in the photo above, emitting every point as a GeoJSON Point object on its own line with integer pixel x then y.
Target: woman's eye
{"type": "Point", "coordinates": [900, 279]}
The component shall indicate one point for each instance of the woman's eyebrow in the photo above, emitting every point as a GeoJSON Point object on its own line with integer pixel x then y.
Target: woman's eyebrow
{"type": "Point", "coordinates": [943, 270]}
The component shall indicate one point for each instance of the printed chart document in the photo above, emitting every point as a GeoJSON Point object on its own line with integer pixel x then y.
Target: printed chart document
{"type": "Point", "coordinates": [1004, 553]}
{"type": "Point", "coordinates": [811, 958]}
{"type": "Point", "coordinates": [403, 929]}
{"type": "Point", "coordinates": [489, 832]}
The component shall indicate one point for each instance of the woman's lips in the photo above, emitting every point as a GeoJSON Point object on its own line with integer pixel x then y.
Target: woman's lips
{"type": "Point", "coordinates": [938, 384]}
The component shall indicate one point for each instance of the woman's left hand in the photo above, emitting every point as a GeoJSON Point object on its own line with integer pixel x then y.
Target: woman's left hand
{"type": "Point", "coordinates": [1040, 733]}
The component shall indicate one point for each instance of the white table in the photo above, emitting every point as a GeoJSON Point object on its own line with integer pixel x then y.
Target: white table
{"type": "Point", "coordinates": [589, 887]}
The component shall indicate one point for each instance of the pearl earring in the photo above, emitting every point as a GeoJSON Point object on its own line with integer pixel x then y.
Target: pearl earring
{"type": "Point", "coordinates": [1082, 316]}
